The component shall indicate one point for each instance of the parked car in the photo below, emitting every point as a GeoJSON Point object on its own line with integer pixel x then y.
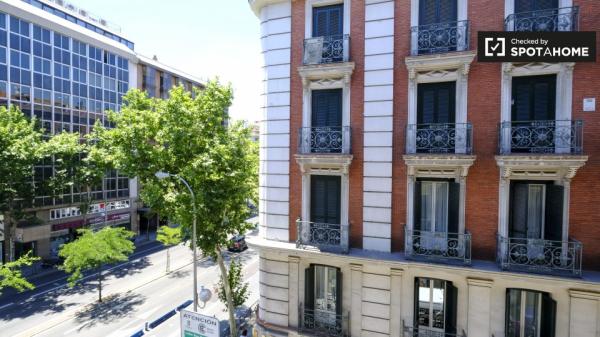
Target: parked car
{"type": "Point", "coordinates": [237, 243]}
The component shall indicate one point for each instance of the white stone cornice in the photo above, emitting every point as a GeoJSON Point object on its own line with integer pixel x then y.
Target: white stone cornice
{"type": "Point", "coordinates": [257, 5]}
{"type": "Point", "coordinates": [340, 71]}
{"type": "Point", "coordinates": [457, 60]}
{"type": "Point", "coordinates": [554, 167]}
{"type": "Point", "coordinates": [584, 294]}
{"type": "Point", "coordinates": [479, 282]}
{"type": "Point", "coordinates": [438, 165]}
{"type": "Point", "coordinates": [324, 163]}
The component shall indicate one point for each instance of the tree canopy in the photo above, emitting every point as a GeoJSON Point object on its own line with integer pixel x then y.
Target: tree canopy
{"type": "Point", "coordinates": [10, 273]}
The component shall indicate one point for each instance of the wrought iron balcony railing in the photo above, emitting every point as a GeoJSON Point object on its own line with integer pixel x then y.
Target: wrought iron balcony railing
{"type": "Point", "coordinates": [560, 137]}
{"type": "Point", "coordinates": [326, 49]}
{"type": "Point", "coordinates": [409, 331]}
{"type": "Point", "coordinates": [440, 37]}
{"type": "Point", "coordinates": [322, 323]}
{"type": "Point", "coordinates": [439, 138]}
{"type": "Point", "coordinates": [540, 256]}
{"type": "Point", "coordinates": [325, 236]}
{"type": "Point", "coordinates": [324, 139]}
{"type": "Point", "coordinates": [437, 246]}
{"type": "Point", "coordinates": [564, 19]}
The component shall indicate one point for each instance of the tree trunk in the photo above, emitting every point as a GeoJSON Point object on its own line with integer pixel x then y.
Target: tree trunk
{"type": "Point", "coordinates": [100, 284]}
{"type": "Point", "coordinates": [230, 308]}
{"type": "Point", "coordinates": [168, 260]}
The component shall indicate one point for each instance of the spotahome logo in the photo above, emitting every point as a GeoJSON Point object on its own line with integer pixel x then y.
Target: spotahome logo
{"type": "Point", "coordinates": [536, 47]}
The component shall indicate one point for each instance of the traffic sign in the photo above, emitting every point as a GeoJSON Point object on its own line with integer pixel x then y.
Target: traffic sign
{"type": "Point", "coordinates": [194, 324]}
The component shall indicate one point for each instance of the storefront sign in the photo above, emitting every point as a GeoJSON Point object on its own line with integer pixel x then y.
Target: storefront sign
{"type": "Point", "coordinates": [67, 225]}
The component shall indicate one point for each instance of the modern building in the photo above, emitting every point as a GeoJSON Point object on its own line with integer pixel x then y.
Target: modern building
{"type": "Point", "coordinates": [408, 190]}
{"type": "Point", "coordinates": [66, 67]}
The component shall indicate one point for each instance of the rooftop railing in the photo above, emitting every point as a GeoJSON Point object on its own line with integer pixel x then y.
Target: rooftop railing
{"type": "Point", "coordinates": [325, 236]}
{"type": "Point", "coordinates": [562, 258]}
{"type": "Point", "coordinates": [439, 138]}
{"type": "Point", "coordinates": [440, 37]}
{"type": "Point", "coordinates": [326, 49]}
{"type": "Point", "coordinates": [564, 19]}
{"type": "Point", "coordinates": [437, 246]}
{"type": "Point", "coordinates": [542, 137]}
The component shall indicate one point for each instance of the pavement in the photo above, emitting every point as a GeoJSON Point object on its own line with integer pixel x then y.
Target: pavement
{"type": "Point", "coordinates": [134, 293]}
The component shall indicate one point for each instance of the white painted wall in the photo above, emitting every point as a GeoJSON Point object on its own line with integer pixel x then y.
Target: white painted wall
{"type": "Point", "coordinates": [275, 124]}
{"type": "Point", "coordinates": [378, 121]}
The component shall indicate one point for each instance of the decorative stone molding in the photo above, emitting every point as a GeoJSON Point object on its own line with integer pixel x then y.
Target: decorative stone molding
{"type": "Point", "coordinates": [584, 294]}
{"type": "Point", "coordinates": [294, 259]}
{"type": "Point", "coordinates": [438, 165]}
{"type": "Point", "coordinates": [318, 72]}
{"type": "Point", "coordinates": [478, 282]}
{"type": "Point", "coordinates": [356, 267]}
{"type": "Point", "coordinates": [314, 163]}
{"type": "Point", "coordinates": [396, 272]}
{"type": "Point", "coordinates": [549, 167]}
{"type": "Point", "coordinates": [430, 62]}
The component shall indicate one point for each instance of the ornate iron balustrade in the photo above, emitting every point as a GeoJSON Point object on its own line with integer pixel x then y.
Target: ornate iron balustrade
{"type": "Point", "coordinates": [564, 19]}
{"type": "Point", "coordinates": [325, 236]}
{"type": "Point", "coordinates": [322, 323]}
{"type": "Point", "coordinates": [440, 37]}
{"type": "Point", "coordinates": [437, 246]}
{"type": "Point", "coordinates": [439, 138]}
{"type": "Point", "coordinates": [326, 49]}
{"type": "Point", "coordinates": [562, 137]}
{"type": "Point", "coordinates": [325, 139]}
{"type": "Point", "coordinates": [409, 331]}
{"type": "Point", "coordinates": [540, 256]}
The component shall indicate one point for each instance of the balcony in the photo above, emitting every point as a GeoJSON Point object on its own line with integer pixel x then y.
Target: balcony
{"type": "Point", "coordinates": [323, 140]}
{"type": "Point", "coordinates": [409, 331]}
{"type": "Point", "coordinates": [561, 258]}
{"type": "Point", "coordinates": [564, 19]}
{"type": "Point", "coordinates": [453, 138]}
{"type": "Point", "coordinates": [326, 49]}
{"type": "Point", "coordinates": [437, 247]}
{"type": "Point", "coordinates": [322, 323]}
{"type": "Point", "coordinates": [324, 236]}
{"type": "Point", "coordinates": [440, 37]}
{"type": "Point", "coordinates": [541, 137]}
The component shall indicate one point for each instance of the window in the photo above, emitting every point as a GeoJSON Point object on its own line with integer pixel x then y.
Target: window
{"type": "Point", "coordinates": [323, 297]}
{"type": "Point", "coordinates": [435, 307]}
{"type": "Point", "coordinates": [436, 102]}
{"type": "Point", "coordinates": [325, 199]}
{"type": "Point", "coordinates": [436, 206]}
{"type": "Point", "coordinates": [529, 314]}
{"type": "Point", "coordinates": [534, 98]}
{"type": "Point", "coordinates": [437, 11]}
{"type": "Point", "coordinates": [536, 211]}
{"type": "Point", "coordinates": [534, 5]}
{"type": "Point", "coordinates": [328, 20]}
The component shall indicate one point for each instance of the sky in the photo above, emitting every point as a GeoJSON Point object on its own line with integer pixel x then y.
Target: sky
{"type": "Point", "coordinates": [204, 38]}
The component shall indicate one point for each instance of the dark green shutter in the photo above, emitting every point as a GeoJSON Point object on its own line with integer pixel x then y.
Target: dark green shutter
{"type": "Point", "coordinates": [534, 98]}
{"type": "Point", "coordinates": [328, 20]}
{"type": "Point", "coordinates": [534, 5]}
{"type": "Point", "coordinates": [548, 319]}
{"type": "Point", "coordinates": [325, 199]}
{"type": "Point", "coordinates": [437, 11]}
{"type": "Point", "coordinates": [451, 307]}
{"type": "Point", "coordinates": [417, 207]}
{"type": "Point", "coordinates": [338, 291]}
{"type": "Point", "coordinates": [519, 194]}
{"type": "Point", "coordinates": [554, 212]}
{"type": "Point", "coordinates": [453, 206]}
{"type": "Point", "coordinates": [309, 288]}
{"type": "Point", "coordinates": [436, 102]}
{"type": "Point", "coordinates": [327, 108]}
{"type": "Point", "coordinates": [416, 305]}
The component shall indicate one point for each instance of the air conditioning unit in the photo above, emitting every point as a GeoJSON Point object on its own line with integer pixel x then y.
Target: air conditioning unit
{"type": "Point", "coordinates": [103, 22]}
{"type": "Point", "coordinates": [71, 7]}
{"type": "Point", "coordinates": [83, 12]}
{"type": "Point", "coordinates": [60, 2]}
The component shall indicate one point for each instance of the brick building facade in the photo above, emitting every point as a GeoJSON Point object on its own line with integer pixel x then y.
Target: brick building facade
{"type": "Point", "coordinates": [408, 190]}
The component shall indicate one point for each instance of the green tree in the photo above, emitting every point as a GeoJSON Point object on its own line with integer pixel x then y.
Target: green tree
{"type": "Point", "coordinates": [187, 136]}
{"type": "Point", "coordinates": [10, 273]}
{"type": "Point", "coordinates": [20, 144]}
{"type": "Point", "coordinates": [168, 236]}
{"type": "Point", "coordinates": [239, 288]}
{"type": "Point", "coordinates": [92, 250]}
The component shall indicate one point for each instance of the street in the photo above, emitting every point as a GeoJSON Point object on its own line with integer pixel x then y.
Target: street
{"type": "Point", "coordinates": [133, 293]}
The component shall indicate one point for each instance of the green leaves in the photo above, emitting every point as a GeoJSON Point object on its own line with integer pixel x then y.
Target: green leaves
{"type": "Point", "coordinates": [239, 288]}
{"type": "Point", "coordinates": [94, 249]}
{"type": "Point", "coordinates": [169, 236]}
{"type": "Point", "coordinates": [10, 273]}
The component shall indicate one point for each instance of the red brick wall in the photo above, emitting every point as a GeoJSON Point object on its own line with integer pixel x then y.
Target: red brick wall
{"type": "Point", "coordinates": [483, 112]}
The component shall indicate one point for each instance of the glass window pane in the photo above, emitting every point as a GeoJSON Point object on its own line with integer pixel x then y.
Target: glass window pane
{"type": "Point", "coordinates": [426, 205]}
{"type": "Point", "coordinates": [535, 211]}
{"type": "Point", "coordinates": [441, 207]}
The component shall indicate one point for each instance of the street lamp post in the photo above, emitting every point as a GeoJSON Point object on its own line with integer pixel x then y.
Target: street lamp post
{"type": "Point", "coordinates": [163, 175]}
